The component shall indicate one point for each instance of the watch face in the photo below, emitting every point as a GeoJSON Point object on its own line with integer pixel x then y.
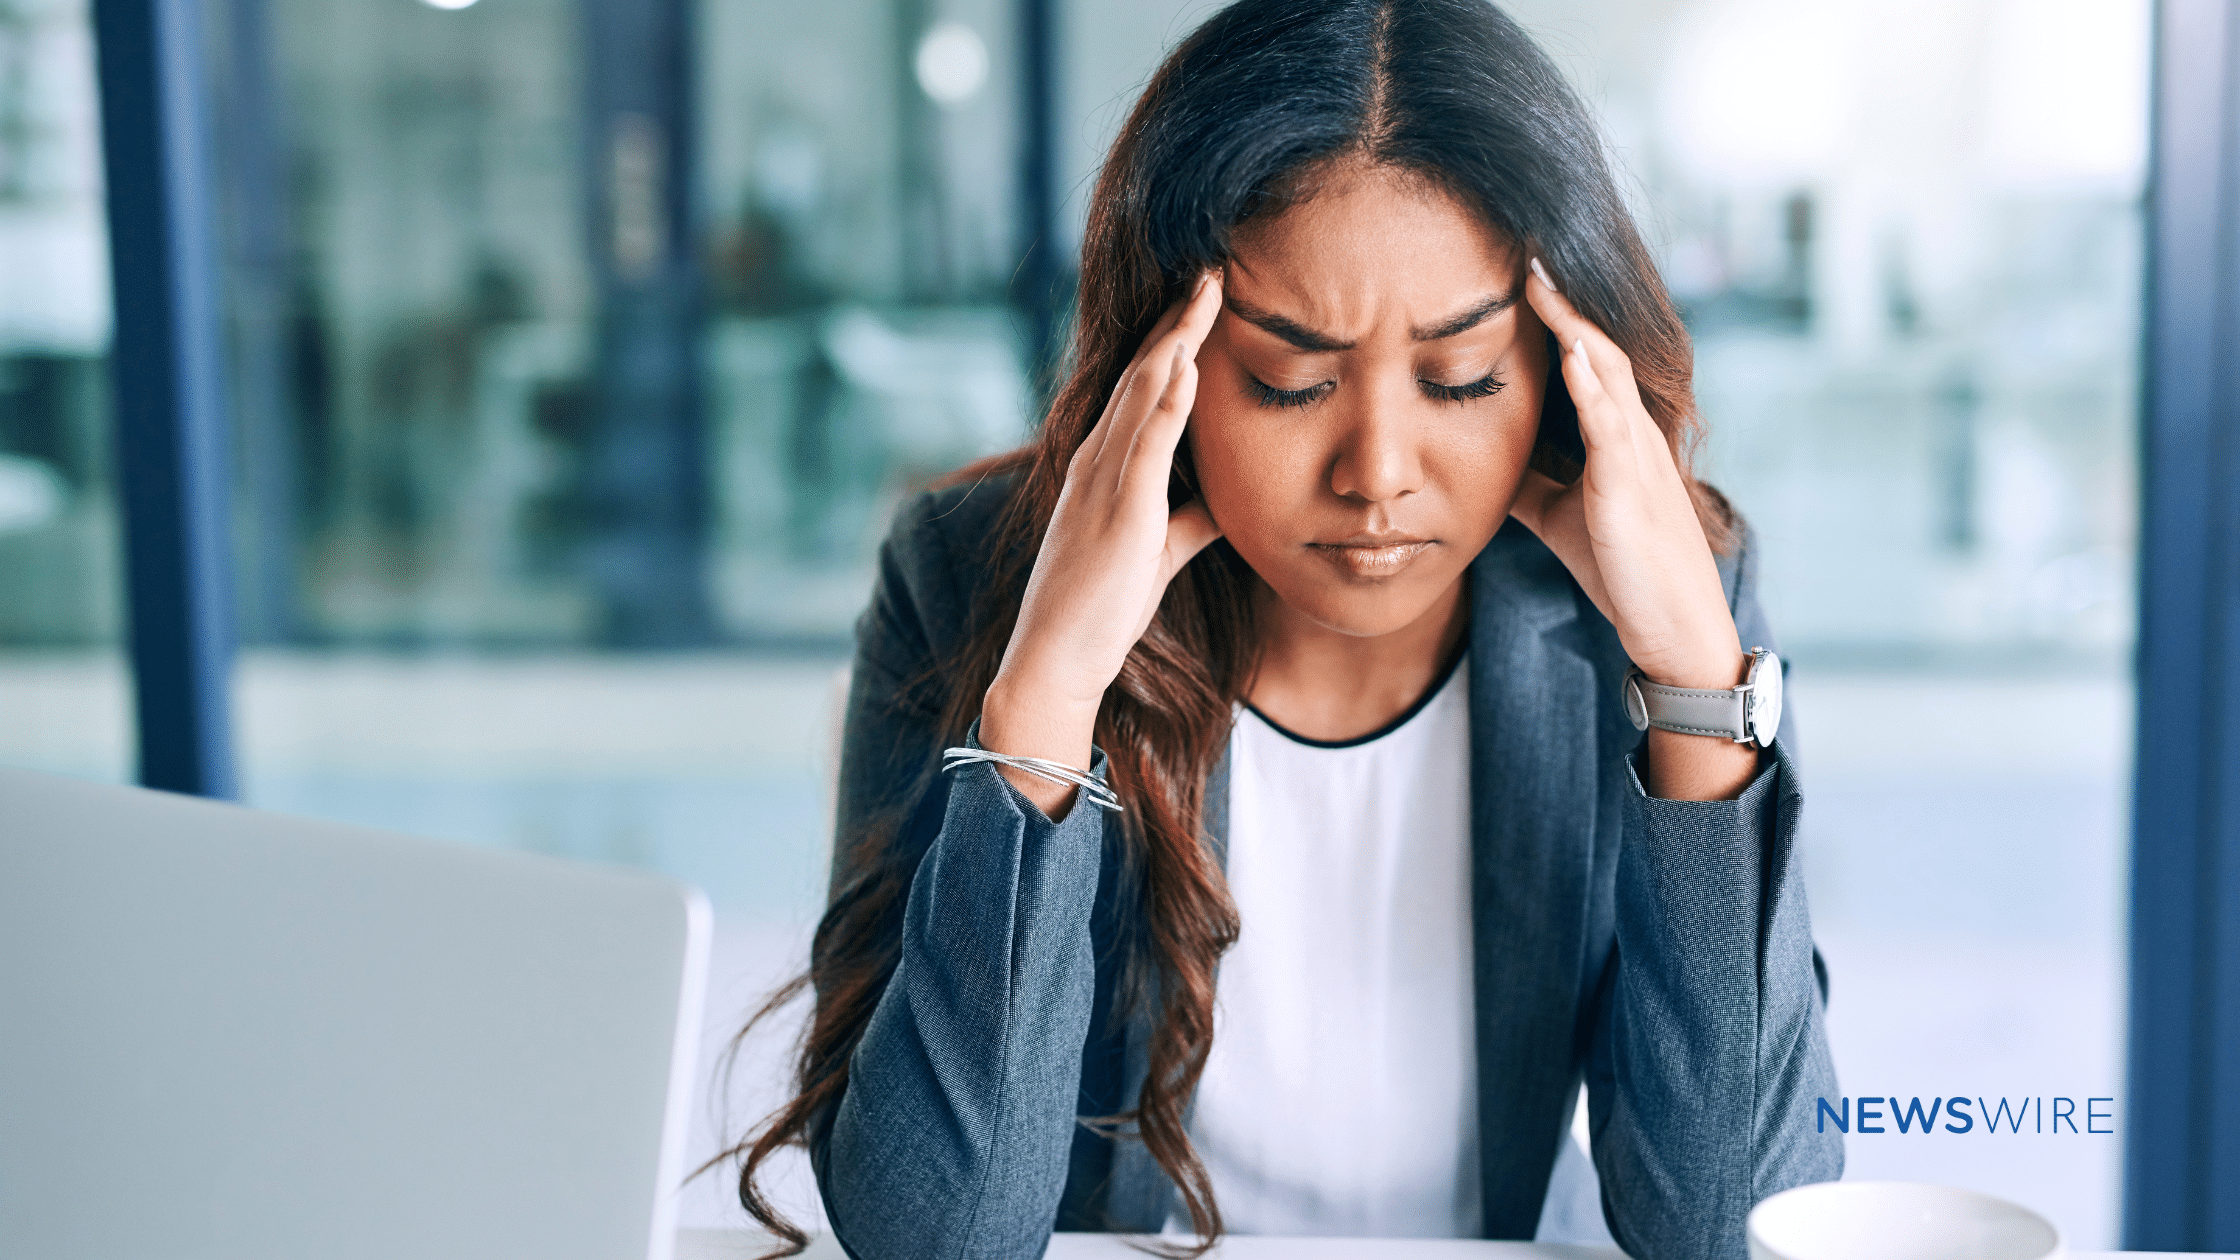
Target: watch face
{"type": "Point", "coordinates": [1765, 700]}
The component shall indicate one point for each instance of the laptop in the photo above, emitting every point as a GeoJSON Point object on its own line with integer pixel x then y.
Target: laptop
{"type": "Point", "coordinates": [226, 1033]}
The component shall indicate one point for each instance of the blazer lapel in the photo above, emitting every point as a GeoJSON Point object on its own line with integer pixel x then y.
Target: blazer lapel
{"type": "Point", "coordinates": [1533, 797]}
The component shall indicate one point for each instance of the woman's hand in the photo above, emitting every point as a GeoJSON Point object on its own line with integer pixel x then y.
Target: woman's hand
{"type": "Point", "coordinates": [1111, 548]}
{"type": "Point", "coordinates": [1627, 530]}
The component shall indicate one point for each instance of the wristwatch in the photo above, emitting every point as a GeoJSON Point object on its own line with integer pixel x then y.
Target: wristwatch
{"type": "Point", "coordinates": [1746, 714]}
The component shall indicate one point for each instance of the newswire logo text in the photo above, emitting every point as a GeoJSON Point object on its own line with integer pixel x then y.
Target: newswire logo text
{"type": "Point", "coordinates": [2044, 1115]}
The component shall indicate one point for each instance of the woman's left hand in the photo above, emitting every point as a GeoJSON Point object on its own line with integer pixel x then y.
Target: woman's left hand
{"type": "Point", "coordinates": [1627, 528]}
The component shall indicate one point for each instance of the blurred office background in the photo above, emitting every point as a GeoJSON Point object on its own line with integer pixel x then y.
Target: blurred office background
{"type": "Point", "coordinates": [580, 350]}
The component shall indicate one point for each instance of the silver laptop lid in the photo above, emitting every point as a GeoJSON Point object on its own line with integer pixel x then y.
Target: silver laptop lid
{"type": "Point", "coordinates": [232, 1034]}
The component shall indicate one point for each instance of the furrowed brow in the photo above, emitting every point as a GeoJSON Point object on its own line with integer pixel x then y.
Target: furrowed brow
{"type": "Point", "coordinates": [1467, 320]}
{"type": "Point", "coordinates": [1290, 330]}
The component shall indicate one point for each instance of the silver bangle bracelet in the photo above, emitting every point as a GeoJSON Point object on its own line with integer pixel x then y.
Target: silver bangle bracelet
{"type": "Point", "coordinates": [1090, 786]}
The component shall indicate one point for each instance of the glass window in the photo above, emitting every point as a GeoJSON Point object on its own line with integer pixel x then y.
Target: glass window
{"type": "Point", "coordinates": [581, 353]}
{"type": "Point", "coordinates": [1909, 247]}
{"type": "Point", "coordinates": [65, 704]}
{"type": "Point", "coordinates": [858, 176]}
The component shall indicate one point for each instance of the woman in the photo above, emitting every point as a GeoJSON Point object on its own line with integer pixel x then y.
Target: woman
{"type": "Point", "coordinates": [1365, 495]}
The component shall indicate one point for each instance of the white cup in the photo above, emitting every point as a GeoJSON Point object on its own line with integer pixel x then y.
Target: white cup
{"type": "Point", "coordinates": [1896, 1220]}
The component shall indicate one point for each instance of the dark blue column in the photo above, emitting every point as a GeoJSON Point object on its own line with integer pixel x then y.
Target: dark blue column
{"type": "Point", "coordinates": [2182, 1136]}
{"type": "Point", "coordinates": [1043, 273]}
{"type": "Point", "coordinates": [170, 421]}
{"type": "Point", "coordinates": [262, 290]}
{"type": "Point", "coordinates": [647, 483]}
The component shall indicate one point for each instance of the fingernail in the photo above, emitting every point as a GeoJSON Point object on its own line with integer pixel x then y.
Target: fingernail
{"type": "Point", "coordinates": [1542, 272]}
{"type": "Point", "coordinates": [1579, 346]}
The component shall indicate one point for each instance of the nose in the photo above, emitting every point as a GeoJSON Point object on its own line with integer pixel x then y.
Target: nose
{"type": "Point", "coordinates": [1377, 459]}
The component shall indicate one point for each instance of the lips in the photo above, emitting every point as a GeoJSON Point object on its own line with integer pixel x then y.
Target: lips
{"type": "Point", "coordinates": [1374, 555]}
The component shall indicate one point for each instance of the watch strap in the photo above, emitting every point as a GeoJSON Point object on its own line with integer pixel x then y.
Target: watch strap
{"type": "Point", "coordinates": [1687, 710]}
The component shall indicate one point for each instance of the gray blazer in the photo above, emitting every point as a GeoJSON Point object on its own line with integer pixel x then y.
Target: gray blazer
{"type": "Point", "coordinates": [1661, 950]}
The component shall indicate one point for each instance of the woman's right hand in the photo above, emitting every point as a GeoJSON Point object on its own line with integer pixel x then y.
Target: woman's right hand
{"type": "Point", "coordinates": [1111, 548]}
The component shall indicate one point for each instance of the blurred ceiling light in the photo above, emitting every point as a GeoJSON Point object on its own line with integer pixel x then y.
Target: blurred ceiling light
{"type": "Point", "coordinates": [447, 4]}
{"type": "Point", "coordinates": [1760, 93]}
{"type": "Point", "coordinates": [952, 63]}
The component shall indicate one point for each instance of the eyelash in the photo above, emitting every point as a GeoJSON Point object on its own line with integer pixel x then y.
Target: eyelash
{"type": "Point", "coordinates": [1484, 387]}
{"type": "Point", "coordinates": [1269, 396]}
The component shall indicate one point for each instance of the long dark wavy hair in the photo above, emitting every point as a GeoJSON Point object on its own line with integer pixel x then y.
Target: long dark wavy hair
{"type": "Point", "coordinates": [1237, 123]}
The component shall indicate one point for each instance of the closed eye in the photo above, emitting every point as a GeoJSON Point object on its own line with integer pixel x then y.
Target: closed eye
{"type": "Point", "coordinates": [1484, 387]}
{"type": "Point", "coordinates": [1269, 396]}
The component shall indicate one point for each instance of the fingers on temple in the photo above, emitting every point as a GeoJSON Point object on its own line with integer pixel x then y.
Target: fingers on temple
{"type": "Point", "coordinates": [1562, 318]}
{"type": "Point", "coordinates": [1151, 451]}
{"type": "Point", "coordinates": [1180, 371]}
{"type": "Point", "coordinates": [1187, 320]}
{"type": "Point", "coordinates": [1601, 424]}
{"type": "Point", "coordinates": [1176, 312]}
{"type": "Point", "coordinates": [1167, 379]}
{"type": "Point", "coordinates": [1198, 312]}
{"type": "Point", "coordinates": [1576, 332]}
{"type": "Point", "coordinates": [1192, 319]}
{"type": "Point", "coordinates": [1554, 309]}
{"type": "Point", "coordinates": [1149, 379]}
{"type": "Point", "coordinates": [1167, 352]}
{"type": "Point", "coordinates": [1618, 430]}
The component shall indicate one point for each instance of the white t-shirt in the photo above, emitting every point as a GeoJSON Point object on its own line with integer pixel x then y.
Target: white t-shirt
{"type": "Point", "coordinates": [1341, 1096]}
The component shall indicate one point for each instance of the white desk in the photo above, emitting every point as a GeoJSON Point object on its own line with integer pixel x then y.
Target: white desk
{"type": "Point", "coordinates": [719, 1244]}
{"type": "Point", "coordinates": [726, 1244]}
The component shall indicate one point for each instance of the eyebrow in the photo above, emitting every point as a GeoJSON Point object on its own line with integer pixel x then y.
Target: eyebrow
{"type": "Point", "coordinates": [1290, 330]}
{"type": "Point", "coordinates": [1306, 338]}
{"type": "Point", "coordinates": [1486, 309]}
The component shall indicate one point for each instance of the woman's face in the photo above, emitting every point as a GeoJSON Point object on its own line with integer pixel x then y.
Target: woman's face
{"type": "Point", "coordinates": [1367, 398]}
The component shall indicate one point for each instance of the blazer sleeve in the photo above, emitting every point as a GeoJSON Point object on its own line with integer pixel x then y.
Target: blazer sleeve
{"type": "Point", "coordinates": [1710, 1039]}
{"type": "Point", "coordinates": [953, 1134]}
